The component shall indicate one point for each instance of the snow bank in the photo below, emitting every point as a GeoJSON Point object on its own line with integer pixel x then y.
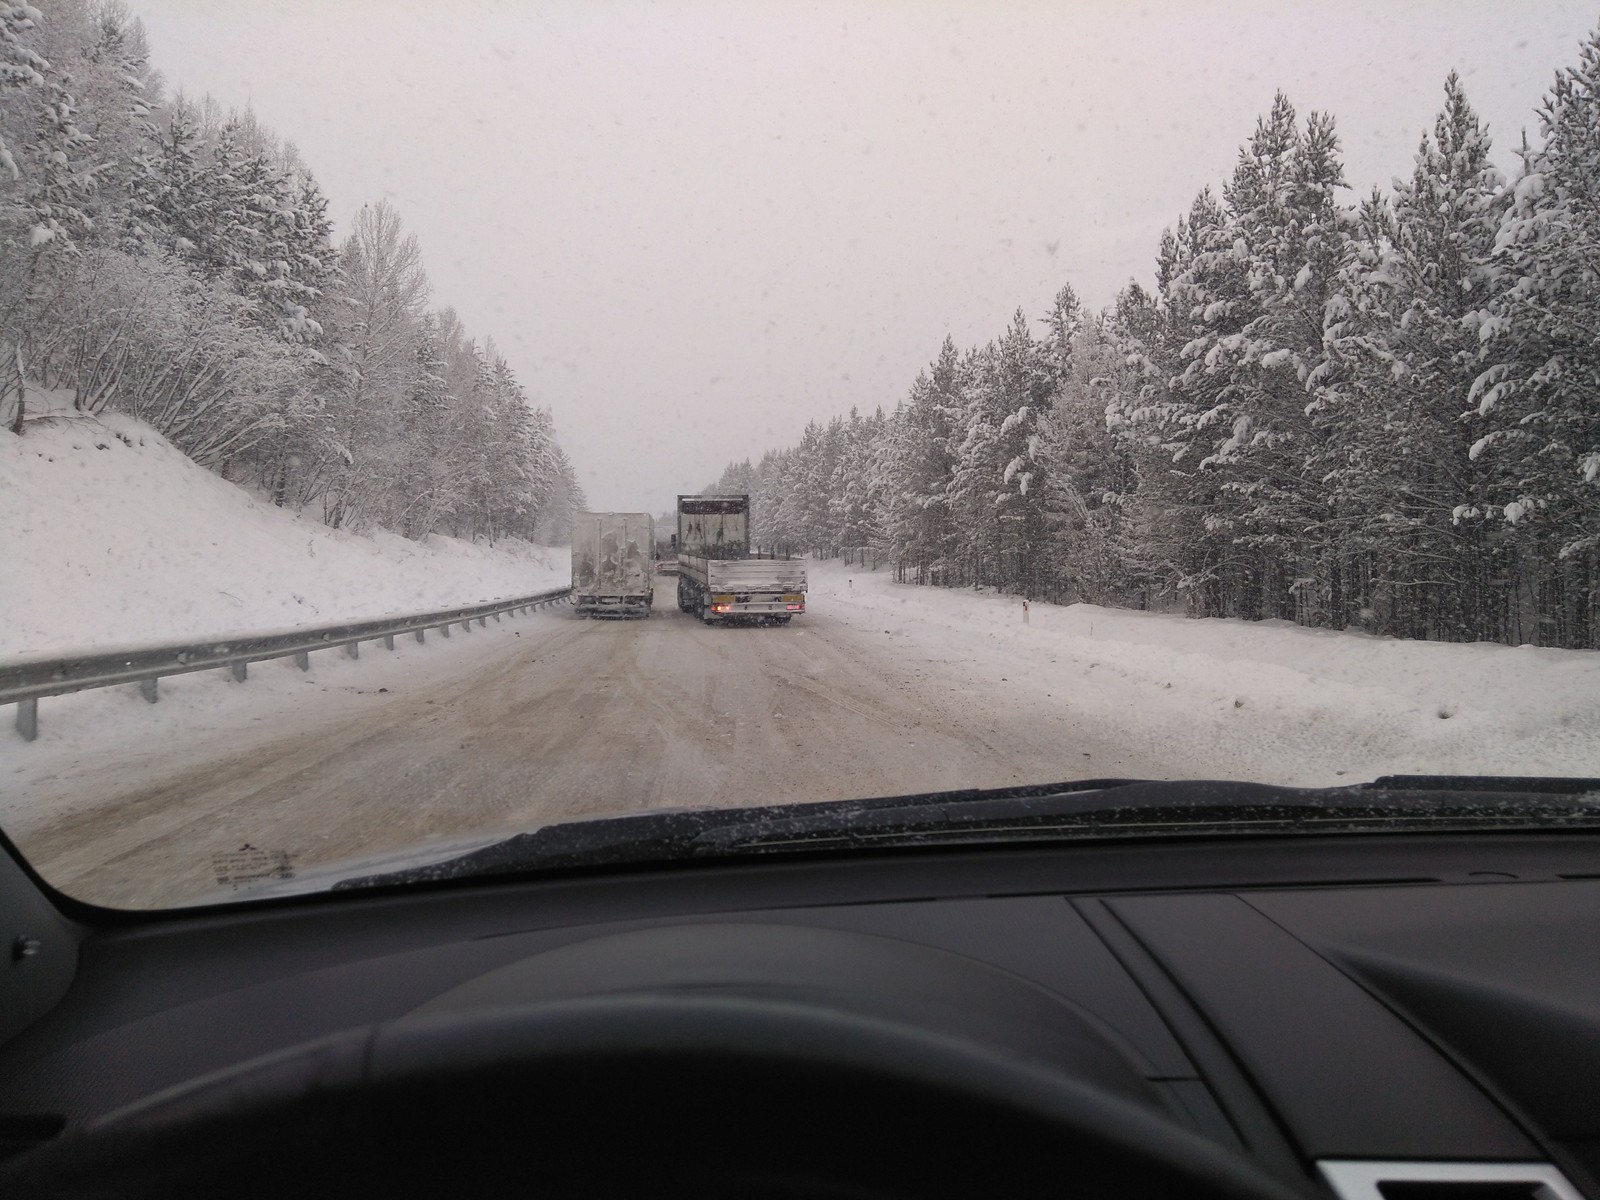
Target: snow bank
{"type": "Point", "coordinates": [1266, 701]}
{"type": "Point", "coordinates": [111, 537]}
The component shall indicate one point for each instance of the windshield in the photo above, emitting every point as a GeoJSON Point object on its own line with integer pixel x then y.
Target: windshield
{"type": "Point", "coordinates": [426, 425]}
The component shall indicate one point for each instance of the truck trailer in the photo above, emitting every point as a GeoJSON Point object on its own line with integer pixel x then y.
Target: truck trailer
{"type": "Point", "coordinates": [719, 580]}
{"type": "Point", "coordinates": [611, 563]}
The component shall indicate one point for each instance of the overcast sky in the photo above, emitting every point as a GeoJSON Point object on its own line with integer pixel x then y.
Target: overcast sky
{"type": "Point", "coordinates": [692, 227]}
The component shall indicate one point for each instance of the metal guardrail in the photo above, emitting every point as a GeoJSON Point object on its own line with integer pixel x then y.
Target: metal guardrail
{"type": "Point", "coordinates": [24, 683]}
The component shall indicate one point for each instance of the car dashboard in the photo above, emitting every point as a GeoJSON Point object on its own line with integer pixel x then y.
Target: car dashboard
{"type": "Point", "coordinates": [1395, 1016]}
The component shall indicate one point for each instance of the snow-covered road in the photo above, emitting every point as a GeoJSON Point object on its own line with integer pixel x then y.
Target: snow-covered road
{"type": "Point", "coordinates": [879, 689]}
{"type": "Point", "coordinates": [539, 719]}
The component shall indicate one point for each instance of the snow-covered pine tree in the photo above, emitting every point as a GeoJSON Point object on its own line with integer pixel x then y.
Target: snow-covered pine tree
{"type": "Point", "coordinates": [977, 467]}
{"type": "Point", "coordinates": [919, 470]}
{"type": "Point", "coordinates": [1256, 289]}
{"type": "Point", "coordinates": [1152, 538]}
{"type": "Point", "coordinates": [1402, 332]}
{"type": "Point", "coordinates": [1083, 473]}
{"type": "Point", "coordinates": [1064, 323]}
{"type": "Point", "coordinates": [852, 490]}
{"type": "Point", "coordinates": [1166, 410]}
{"type": "Point", "coordinates": [1020, 389]}
{"type": "Point", "coordinates": [1536, 405]}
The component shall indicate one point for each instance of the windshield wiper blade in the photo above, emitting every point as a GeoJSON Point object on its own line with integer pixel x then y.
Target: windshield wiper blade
{"type": "Point", "coordinates": [1174, 809]}
{"type": "Point", "coordinates": [1190, 806]}
{"type": "Point", "coordinates": [1526, 785]}
{"type": "Point", "coordinates": [664, 834]}
{"type": "Point", "coordinates": [1108, 808]}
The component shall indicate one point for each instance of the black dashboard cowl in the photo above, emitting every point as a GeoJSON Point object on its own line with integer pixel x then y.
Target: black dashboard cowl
{"type": "Point", "coordinates": [1544, 1053]}
{"type": "Point", "coordinates": [864, 974]}
{"type": "Point", "coordinates": [1503, 975]}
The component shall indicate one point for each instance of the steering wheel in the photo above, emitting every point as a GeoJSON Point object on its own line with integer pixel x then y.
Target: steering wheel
{"type": "Point", "coordinates": [640, 1095]}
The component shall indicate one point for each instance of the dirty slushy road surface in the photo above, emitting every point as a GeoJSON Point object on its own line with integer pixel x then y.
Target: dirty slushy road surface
{"type": "Point", "coordinates": [546, 718]}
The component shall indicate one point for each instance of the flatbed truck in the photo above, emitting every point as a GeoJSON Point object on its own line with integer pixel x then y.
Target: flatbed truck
{"type": "Point", "coordinates": [719, 580]}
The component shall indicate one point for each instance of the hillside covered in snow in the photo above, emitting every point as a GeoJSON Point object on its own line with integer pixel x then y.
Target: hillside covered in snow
{"type": "Point", "coordinates": [112, 537]}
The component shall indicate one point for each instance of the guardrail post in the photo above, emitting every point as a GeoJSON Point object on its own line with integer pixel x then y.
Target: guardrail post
{"type": "Point", "coordinates": [302, 659]}
{"type": "Point", "coordinates": [388, 641]}
{"type": "Point", "coordinates": [28, 719]}
{"type": "Point", "coordinates": [422, 635]}
{"type": "Point", "coordinates": [445, 629]}
{"type": "Point", "coordinates": [467, 625]}
{"type": "Point", "coordinates": [148, 689]}
{"type": "Point", "coordinates": [353, 649]}
{"type": "Point", "coordinates": [240, 671]}
{"type": "Point", "coordinates": [483, 622]}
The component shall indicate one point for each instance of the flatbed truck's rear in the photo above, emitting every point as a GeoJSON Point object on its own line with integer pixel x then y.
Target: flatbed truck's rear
{"type": "Point", "coordinates": [718, 578]}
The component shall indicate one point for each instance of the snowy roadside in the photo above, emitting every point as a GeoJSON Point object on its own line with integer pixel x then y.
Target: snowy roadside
{"type": "Point", "coordinates": [114, 538]}
{"type": "Point", "coordinates": [1264, 701]}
